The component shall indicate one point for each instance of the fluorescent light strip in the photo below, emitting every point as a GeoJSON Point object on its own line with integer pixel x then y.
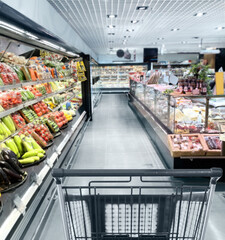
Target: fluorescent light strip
{"type": "Point", "coordinates": [31, 35]}
{"type": "Point", "coordinates": [11, 27]}
{"type": "Point", "coordinates": [72, 54]}
{"type": "Point", "coordinates": [112, 16]}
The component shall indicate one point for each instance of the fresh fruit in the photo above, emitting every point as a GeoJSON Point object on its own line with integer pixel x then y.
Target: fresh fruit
{"type": "Point", "coordinates": [12, 160]}
{"type": "Point", "coordinates": [27, 146]}
{"type": "Point", "coordinates": [4, 129]}
{"type": "Point", "coordinates": [12, 145]}
{"type": "Point", "coordinates": [29, 160]}
{"type": "Point", "coordinates": [39, 139]}
{"type": "Point", "coordinates": [30, 154]}
{"type": "Point", "coordinates": [9, 123]}
{"type": "Point", "coordinates": [18, 120]}
{"type": "Point", "coordinates": [14, 177]}
{"type": "Point", "coordinates": [19, 144]}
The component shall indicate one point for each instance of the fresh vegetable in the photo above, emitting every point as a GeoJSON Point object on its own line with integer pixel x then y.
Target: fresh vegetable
{"type": "Point", "coordinates": [9, 123]}
{"type": "Point", "coordinates": [29, 160]}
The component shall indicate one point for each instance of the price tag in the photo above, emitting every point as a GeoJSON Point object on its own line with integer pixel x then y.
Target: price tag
{"type": "Point", "coordinates": [222, 137]}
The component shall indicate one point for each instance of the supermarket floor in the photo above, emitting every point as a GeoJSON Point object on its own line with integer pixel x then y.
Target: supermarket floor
{"type": "Point", "coordinates": [116, 139]}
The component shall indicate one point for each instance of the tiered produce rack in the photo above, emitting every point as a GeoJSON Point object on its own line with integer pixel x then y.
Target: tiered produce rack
{"type": "Point", "coordinates": [20, 203]}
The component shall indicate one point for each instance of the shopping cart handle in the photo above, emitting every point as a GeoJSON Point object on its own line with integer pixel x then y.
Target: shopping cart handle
{"type": "Point", "coordinates": [212, 173]}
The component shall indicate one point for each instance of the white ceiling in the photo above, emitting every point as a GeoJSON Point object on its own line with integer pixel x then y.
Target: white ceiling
{"type": "Point", "coordinates": [89, 19]}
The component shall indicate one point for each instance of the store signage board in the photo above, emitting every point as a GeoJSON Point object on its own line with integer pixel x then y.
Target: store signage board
{"type": "Point", "coordinates": [219, 83]}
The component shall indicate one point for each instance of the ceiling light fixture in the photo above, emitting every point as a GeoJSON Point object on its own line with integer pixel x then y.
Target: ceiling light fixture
{"type": "Point", "coordinates": [111, 41]}
{"type": "Point", "coordinates": [130, 30]}
{"type": "Point", "coordinates": [183, 42]}
{"type": "Point", "coordinates": [154, 43]}
{"type": "Point", "coordinates": [112, 16]}
{"type": "Point", "coordinates": [220, 28]}
{"type": "Point", "coordinates": [161, 38]}
{"type": "Point", "coordinates": [126, 36]}
{"type": "Point", "coordinates": [200, 14]}
{"type": "Point", "coordinates": [196, 37]}
{"type": "Point", "coordinates": [111, 26]}
{"type": "Point", "coordinates": [175, 29]}
{"type": "Point", "coordinates": [142, 8]}
{"type": "Point", "coordinates": [111, 33]}
{"type": "Point", "coordinates": [134, 21]}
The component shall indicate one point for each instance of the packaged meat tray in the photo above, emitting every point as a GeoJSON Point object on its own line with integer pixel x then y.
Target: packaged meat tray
{"type": "Point", "coordinates": [186, 145]}
{"type": "Point", "coordinates": [212, 144]}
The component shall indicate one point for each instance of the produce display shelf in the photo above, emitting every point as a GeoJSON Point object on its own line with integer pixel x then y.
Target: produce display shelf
{"type": "Point", "coordinates": [28, 103]}
{"type": "Point", "coordinates": [23, 84]}
{"type": "Point", "coordinates": [53, 110]}
{"type": "Point", "coordinates": [58, 107]}
{"type": "Point", "coordinates": [15, 204]}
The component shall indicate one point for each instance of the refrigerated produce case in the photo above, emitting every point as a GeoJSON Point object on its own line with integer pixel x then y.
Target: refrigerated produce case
{"type": "Point", "coordinates": [39, 92]}
{"type": "Point", "coordinates": [186, 129]}
{"type": "Point", "coordinates": [95, 86]}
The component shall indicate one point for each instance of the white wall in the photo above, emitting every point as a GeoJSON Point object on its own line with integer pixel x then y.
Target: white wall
{"type": "Point", "coordinates": [41, 12]}
{"type": "Point", "coordinates": [139, 58]}
{"type": "Point", "coordinates": [177, 57]}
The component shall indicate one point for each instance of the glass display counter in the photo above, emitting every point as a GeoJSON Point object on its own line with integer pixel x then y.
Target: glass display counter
{"type": "Point", "coordinates": [180, 113]}
{"type": "Point", "coordinates": [185, 128]}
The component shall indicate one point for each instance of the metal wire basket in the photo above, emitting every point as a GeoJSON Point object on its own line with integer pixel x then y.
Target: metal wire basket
{"type": "Point", "coordinates": [140, 207]}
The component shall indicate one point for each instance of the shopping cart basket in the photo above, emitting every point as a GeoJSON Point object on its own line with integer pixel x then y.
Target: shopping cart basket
{"type": "Point", "coordinates": [135, 204]}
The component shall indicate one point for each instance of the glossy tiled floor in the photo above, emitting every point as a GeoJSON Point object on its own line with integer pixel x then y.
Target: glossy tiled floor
{"type": "Point", "coordinates": [115, 139]}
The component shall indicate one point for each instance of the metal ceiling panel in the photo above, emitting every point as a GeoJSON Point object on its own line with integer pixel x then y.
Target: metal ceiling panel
{"type": "Point", "coordinates": [89, 19]}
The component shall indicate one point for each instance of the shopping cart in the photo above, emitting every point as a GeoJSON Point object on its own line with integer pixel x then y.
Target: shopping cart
{"type": "Point", "coordinates": [135, 204]}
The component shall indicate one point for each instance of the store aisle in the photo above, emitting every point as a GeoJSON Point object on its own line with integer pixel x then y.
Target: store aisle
{"type": "Point", "coordinates": [115, 139]}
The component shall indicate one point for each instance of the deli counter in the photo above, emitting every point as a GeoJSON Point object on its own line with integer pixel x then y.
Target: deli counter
{"type": "Point", "coordinates": [186, 129]}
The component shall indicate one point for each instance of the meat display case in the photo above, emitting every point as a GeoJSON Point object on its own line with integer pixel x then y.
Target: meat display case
{"type": "Point", "coordinates": [163, 114]}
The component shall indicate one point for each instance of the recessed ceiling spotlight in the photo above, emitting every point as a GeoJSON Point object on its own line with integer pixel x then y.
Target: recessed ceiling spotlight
{"type": "Point", "coordinates": [184, 42]}
{"type": "Point", "coordinates": [175, 29]}
{"type": "Point", "coordinates": [126, 36]}
{"type": "Point", "coordinates": [200, 14]}
{"type": "Point", "coordinates": [130, 30]}
{"type": "Point", "coordinates": [111, 41]}
{"type": "Point", "coordinates": [142, 8]}
{"type": "Point", "coordinates": [112, 16]}
{"type": "Point", "coordinates": [220, 28]}
{"type": "Point", "coordinates": [111, 33]}
{"type": "Point", "coordinates": [154, 43]}
{"type": "Point", "coordinates": [134, 21]}
{"type": "Point", "coordinates": [161, 38]}
{"type": "Point", "coordinates": [111, 26]}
